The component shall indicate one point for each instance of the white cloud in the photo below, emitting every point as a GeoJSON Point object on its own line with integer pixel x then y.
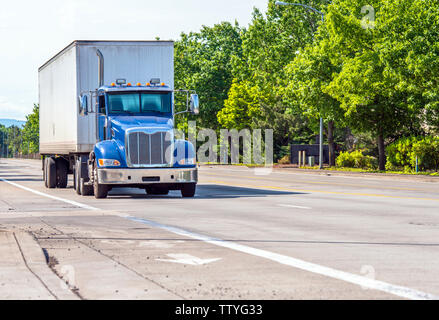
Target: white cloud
{"type": "Point", "coordinates": [14, 110]}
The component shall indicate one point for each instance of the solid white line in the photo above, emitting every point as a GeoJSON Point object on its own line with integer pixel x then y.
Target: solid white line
{"type": "Point", "coordinates": [300, 264]}
{"type": "Point", "coordinates": [292, 206]}
{"type": "Point", "coordinates": [77, 204]}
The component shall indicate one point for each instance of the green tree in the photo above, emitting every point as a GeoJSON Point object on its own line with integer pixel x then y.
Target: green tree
{"type": "Point", "coordinates": [410, 52]}
{"type": "Point", "coordinates": [3, 141]}
{"type": "Point", "coordinates": [14, 140]}
{"type": "Point", "coordinates": [373, 98]}
{"type": "Point", "coordinates": [31, 131]}
{"type": "Point", "coordinates": [268, 46]}
{"type": "Point", "coordinates": [310, 72]}
{"type": "Point", "coordinates": [203, 63]}
{"type": "Point", "coordinates": [241, 107]}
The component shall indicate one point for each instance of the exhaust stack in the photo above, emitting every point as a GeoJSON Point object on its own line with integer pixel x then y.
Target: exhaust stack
{"type": "Point", "coordinates": [101, 67]}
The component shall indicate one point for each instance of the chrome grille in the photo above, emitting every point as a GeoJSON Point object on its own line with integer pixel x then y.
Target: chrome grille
{"type": "Point", "coordinates": [148, 149]}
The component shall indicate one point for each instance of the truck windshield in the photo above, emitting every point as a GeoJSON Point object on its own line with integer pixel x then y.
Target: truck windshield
{"type": "Point", "coordinates": [140, 102]}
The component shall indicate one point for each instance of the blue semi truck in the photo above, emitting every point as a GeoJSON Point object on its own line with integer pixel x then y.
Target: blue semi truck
{"type": "Point", "coordinates": [107, 118]}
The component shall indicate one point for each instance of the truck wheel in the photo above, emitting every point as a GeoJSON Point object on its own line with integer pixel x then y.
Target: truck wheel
{"type": "Point", "coordinates": [61, 173]}
{"type": "Point", "coordinates": [76, 178]}
{"type": "Point", "coordinates": [45, 172]}
{"type": "Point", "coordinates": [84, 189]}
{"type": "Point", "coordinates": [100, 190]}
{"type": "Point", "coordinates": [51, 173]}
{"type": "Point", "coordinates": [158, 191]}
{"type": "Point", "coordinates": [188, 190]}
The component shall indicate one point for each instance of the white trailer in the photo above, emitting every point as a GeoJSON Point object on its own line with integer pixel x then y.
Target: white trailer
{"type": "Point", "coordinates": [64, 129]}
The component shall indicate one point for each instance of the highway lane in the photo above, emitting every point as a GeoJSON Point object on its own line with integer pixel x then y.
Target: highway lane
{"type": "Point", "coordinates": [381, 228]}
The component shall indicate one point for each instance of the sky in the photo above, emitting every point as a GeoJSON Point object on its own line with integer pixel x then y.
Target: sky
{"type": "Point", "coordinates": [32, 31]}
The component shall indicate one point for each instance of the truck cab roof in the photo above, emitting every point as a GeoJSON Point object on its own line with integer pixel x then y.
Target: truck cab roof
{"type": "Point", "coordinates": [126, 88]}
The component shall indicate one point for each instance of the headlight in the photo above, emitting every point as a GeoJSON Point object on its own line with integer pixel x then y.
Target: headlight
{"type": "Point", "coordinates": [108, 163]}
{"type": "Point", "coordinates": [187, 162]}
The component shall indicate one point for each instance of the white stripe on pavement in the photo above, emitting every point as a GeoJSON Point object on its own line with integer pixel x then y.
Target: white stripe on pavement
{"type": "Point", "coordinates": [77, 204]}
{"type": "Point", "coordinates": [293, 206]}
{"type": "Point", "coordinates": [300, 264]}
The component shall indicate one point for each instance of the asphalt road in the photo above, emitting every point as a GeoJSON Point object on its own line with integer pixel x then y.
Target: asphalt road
{"type": "Point", "coordinates": [246, 235]}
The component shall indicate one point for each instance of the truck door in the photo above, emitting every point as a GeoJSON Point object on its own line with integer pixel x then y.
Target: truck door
{"type": "Point", "coordinates": [102, 118]}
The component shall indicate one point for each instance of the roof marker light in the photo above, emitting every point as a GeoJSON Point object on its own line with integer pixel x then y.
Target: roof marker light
{"type": "Point", "coordinates": [129, 84]}
{"type": "Point", "coordinates": [139, 84]}
{"type": "Point", "coordinates": [113, 84]}
{"type": "Point", "coordinates": [163, 84]}
{"type": "Point", "coordinates": [148, 84]}
{"type": "Point", "coordinates": [154, 81]}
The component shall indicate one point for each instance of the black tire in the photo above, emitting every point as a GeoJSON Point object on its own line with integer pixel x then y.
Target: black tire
{"type": "Point", "coordinates": [157, 191]}
{"type": "Point", "coordinates": [45, 173]}
{"type": "Point", "coordinates": [188, 190]}
{"type": "Point", "coordinates": [61, 173]}
{"type": "Point", "coordinates": [84, 189]}
{"type": "Point", "coordinates": [76, 178]}
{"type": "Point", "coordinates": [51, 173]}
{"type": "Point", "coordinates": [100, 190]}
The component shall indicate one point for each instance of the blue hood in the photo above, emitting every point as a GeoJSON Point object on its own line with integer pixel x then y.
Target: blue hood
{"type": "Point", "coordinates": [115, 148]}
{"type": "Point", "coordinates": [122, 123]}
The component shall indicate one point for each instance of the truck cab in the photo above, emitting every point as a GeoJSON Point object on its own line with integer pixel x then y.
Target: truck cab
{"type": "Point", "coordinates": [137, 147]}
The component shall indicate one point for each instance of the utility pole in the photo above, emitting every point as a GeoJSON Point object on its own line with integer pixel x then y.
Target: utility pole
{"type": "Point", "coordinates": [280, 3]}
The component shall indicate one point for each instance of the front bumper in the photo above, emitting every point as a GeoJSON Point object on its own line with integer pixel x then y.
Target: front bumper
{"type": "Point", "coordinates": [147, 176]}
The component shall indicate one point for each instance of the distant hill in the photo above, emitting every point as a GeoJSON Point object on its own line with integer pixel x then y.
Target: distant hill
{"type": "Point", "coordinates": [11, 122]}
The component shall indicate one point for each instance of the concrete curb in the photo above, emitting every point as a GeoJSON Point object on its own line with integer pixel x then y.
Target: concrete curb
{"type": "Point", "coordinates": [36, 262]}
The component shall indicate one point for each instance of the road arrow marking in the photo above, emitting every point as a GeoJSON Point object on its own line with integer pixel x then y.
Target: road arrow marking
{"type": "Point", "coordinates": [187, 259]}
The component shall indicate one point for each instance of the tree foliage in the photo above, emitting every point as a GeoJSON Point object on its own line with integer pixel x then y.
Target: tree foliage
{"type": "Point", "coordinates": [269, 44]}
{"type": "Point", "coordinates": [203, 62]}
{"type": "Point", "coordinates": [15, 140]}
{"type": "Point", "coordinates": [372, 89]}
{"type": "Point", "coordinates": [31, 131]}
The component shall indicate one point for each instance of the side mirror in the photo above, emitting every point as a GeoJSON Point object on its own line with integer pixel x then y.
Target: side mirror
{"type": "Point", "coordinates": [83, 105]}
{"type": "Point", "coordinates": [195, 104]}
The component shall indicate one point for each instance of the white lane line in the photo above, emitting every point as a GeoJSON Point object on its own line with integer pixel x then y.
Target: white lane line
{"type": "Point", "coordinates": [362, 281]}
{"type": "Point", "coordinates": [183, 258]}
{"type": "Point", "coordinates": [74, 203]}
{"type": "Point", "coordinates": [400, 291]}
{"type": "Point", "coordinates": [293, 206]}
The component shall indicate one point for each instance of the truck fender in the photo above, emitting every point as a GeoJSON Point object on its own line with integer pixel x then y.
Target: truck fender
{"type": "Point", "coordinates": [108, 150]}
{"type": "Point", "coordinates": [183, 150]}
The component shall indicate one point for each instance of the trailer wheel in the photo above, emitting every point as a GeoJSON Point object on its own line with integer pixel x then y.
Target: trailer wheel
{"type": "Point", "coordinates": [61, 173]}
{"type": "Point", "coordinates": [76, 177]}
{"type": "Point", "coordinates": [51, 173]}
{"type": "Point", "coordinates": [84, 189]}
{"type": "Point", "coordinates": [188, 190]}
{"type": "Point", "coordinates": [45, 172]}
{"type": "Point", "coordinates": [100, 190]}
